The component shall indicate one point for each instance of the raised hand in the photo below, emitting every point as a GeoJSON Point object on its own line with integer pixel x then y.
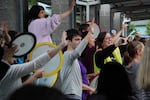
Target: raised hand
{"type": "Point", "coordinates": [69, 10]}
{"type": "Point", "coordinates": [72, 5]}
{"type": "Point", "coordinates": [5, 27]}
{"type": "Point", "coordinates": [124, 26]}
{"type": "Point", "coordinates": [92, 25]}
{"type": "Point", "coordinates": [5, 32]}
{"type": "Point", "coordinates": [64, 36]}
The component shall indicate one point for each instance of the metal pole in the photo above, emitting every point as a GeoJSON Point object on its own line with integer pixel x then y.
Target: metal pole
{"type": "Point", "coordinates": [87, 12]}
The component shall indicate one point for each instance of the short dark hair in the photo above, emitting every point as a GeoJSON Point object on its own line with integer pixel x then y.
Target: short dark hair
{"type": "Point", "coordinates": [72, 33]}
{"type": "Point", "coordinates": [84, 27]}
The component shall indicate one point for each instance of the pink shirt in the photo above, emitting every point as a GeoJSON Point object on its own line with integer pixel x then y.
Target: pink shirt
{"type": "Point", "coordinates": [43, 27]}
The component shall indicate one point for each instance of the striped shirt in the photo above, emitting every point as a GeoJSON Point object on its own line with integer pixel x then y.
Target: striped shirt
{"type": "Point", "coordinates": [146, 94]}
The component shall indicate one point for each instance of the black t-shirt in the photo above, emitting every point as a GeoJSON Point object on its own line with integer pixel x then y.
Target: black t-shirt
{"type": "Point", "coordinates": [3, 69]}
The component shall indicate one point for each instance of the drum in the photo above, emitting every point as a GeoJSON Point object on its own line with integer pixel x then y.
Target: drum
{"type": "Point", "coordinates": [52, 67]}
{"type": "Point", "coordinates": [25, 43]}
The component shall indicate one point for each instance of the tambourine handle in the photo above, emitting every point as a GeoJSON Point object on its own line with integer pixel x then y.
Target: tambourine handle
{"type": "Point", "coordinates": [96, 29]}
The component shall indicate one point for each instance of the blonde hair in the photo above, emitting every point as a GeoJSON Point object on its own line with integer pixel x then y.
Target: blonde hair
{"type": "Point", "coordinates": [143, 73]}
{"type": "Point", "coordinates": [131, 52]}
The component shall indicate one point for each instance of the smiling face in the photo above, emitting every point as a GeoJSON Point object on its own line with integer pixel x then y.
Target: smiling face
{"type": "Point", "coordinates": [107, 40]}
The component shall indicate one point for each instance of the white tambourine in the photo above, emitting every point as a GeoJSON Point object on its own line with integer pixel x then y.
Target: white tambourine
{"type": "Point", "coordinates": [54, 65]}
{"type": "Point", "coordinates": [113, 31]}
{"type": "Point", "coordinates": [25, 43]}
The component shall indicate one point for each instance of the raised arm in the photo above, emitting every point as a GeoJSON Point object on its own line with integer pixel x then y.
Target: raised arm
{"type": "Point", "coordinates": [85, 40]}
{"type": "Point", "coordinates": [64, 43]}
{"type": "Point", "coordinates": [5, 32]}
{"type": "Point", "coordinates": [91, 30]}
{"type": "Point", "coordinates": [20, 70]}
{"type": "Point", "coordinates": [119, 32]}
{"type": "Point", "coordinates": [68, 11]}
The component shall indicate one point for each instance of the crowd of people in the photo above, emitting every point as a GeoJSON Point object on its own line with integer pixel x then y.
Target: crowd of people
{"type": "Point", "coordinates": [122, 66]}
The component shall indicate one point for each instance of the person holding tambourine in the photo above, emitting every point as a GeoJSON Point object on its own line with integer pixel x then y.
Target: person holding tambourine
{"type": "Point", "coordinates": [11, 79]}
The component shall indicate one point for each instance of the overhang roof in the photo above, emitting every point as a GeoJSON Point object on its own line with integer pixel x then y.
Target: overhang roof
{"type": "Point", "coordinates": [135, 9]}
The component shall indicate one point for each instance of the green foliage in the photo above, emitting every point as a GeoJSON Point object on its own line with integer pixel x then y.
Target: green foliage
{"type": "Point", "coordinates": [31, 3]}
{"type": "Point", "coordinates": [148, 28]}
{"type": "Point", "coordinates": [131, 27]}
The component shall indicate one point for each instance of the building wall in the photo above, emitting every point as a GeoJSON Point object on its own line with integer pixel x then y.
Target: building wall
{"type": "Point", "coordinates": [116, 21]}
{"type": "Point", "coordinates": [57, 8]}
{"type": "Point", "coordinates": [13, 11]}
{"type": "Point", "coordinates": [105, 17]}
{"type": "Point", "coordinates": [8, 13]}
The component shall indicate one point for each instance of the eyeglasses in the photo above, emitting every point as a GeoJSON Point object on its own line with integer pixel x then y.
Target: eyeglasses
{"type": "Point", "coordinates": [107, 38]}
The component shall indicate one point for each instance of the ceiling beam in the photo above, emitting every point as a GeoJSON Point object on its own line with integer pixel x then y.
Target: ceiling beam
{"type": "Point", "coordinates": [139, 14]}
{"type": "Point", "coordinates": [143, 17]}
{"type": "Point", "coordinates": [113, 1]}
{"type": "Point", "coordinates": [131, 8]}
